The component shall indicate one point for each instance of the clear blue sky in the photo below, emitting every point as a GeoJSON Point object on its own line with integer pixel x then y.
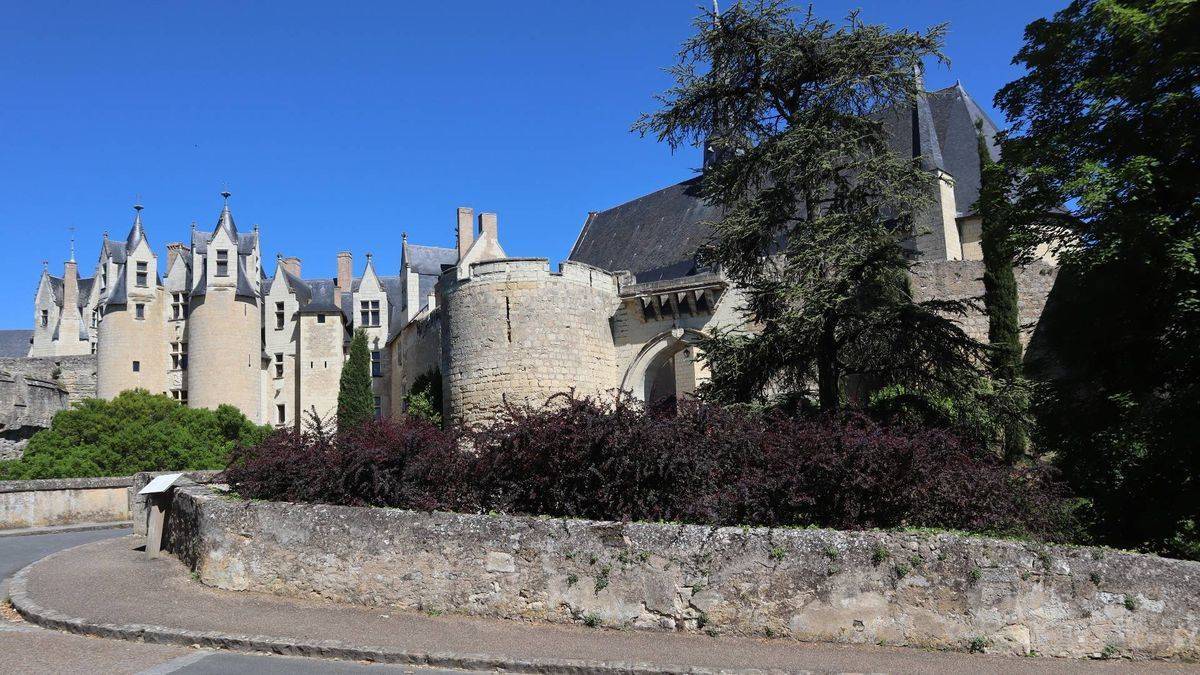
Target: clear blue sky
{"type": "Point", "coordinates": [340, 125]}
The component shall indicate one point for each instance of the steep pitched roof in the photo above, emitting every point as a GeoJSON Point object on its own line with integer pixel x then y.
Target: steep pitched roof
{"type": "Point", "coordinates": [656, 236]}
{"type": "Point", "coordinates": [137, 233]}
{"type": "Point", "coordinates": [427, 259]}
{"type": "Point", "coordinates": [15, 343]}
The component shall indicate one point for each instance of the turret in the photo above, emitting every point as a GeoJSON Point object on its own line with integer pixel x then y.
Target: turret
{"type": "Point", "coordinates": [225, 319]}
{"type": "Point", "coordinates": [131, 343]}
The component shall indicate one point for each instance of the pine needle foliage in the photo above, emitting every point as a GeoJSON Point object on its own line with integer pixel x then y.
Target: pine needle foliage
{"type": "Point", "coordinates": [356, 403]}
{"type": "Point", "coordinates": [815, 205]}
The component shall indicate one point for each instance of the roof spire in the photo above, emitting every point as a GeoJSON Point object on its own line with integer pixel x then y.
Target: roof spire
{"type": "Point", "coordinates": [137, 232]}
{"type": "Point", "coordinates": [71, 229]}
{"type": "Point", "coordinates": [226, 219]}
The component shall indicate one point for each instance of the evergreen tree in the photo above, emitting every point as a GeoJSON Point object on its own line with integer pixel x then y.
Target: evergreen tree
{"type": "Point", "coordinates": [356, 403]}
{"type": "Point", "coordinates": [814, 203]}
{"type": "Point", "coordinates": [1106, 142]}
{"type": "Point", "coordinates": [1000, 291]}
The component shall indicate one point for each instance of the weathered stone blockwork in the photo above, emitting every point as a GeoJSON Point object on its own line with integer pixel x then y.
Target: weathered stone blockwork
{"type": "Point", "coordinates": [939, 590]}
{"type": "Point", "coordinates": [963, 280]}
{"type": "Point", "coordinates": [513, 332]}
{"type": "Point", "coordinates": [76, 374]}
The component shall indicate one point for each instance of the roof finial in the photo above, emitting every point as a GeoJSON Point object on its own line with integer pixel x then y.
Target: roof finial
{"type": "Point", "coordinates": [71, 229]}
{"type": "Point", "coordinates": [45, 265]}
{"type": "Point", "coordinates": [225, 194]}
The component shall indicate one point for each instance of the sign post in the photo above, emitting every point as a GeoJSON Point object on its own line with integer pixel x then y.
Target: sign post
{"type": "Point", "coordinates": [158, 502]}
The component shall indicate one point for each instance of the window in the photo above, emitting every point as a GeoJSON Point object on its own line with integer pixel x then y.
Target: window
{"type": "Point", "coordinates": [178, 306]}
{"type": "Point", "coordinates": [95, 318]}
{"type": "Point", "coordinates": [279, 316]}
{"type": "Point", "coordinates": [183, 357]}
{"type": "Point", "coordinates": [369, 310]}
{"type": "Point", "coordinates": [45, 317]}
{"type": "Point", "coordinates": [278, 365]}
{"type": "Point", "coordinates": [376, 363]}
{"type": "Point", "coordinates": [103, 278]}
{"type": "Point", "coordinates": [281, 413]}
{"type": "Point", "coordinates": [137, 366]}
{"type": "Point", "coordinates": [175, 356]}
{"type": "Point", "coordinates": [142, 274]}
{"type": "Point", "coordinates": [378, 407]}
{"type": "Point", "coordinates": [183, 397]}
{"type": "Point", "coordinates": [222, 263]}
{"type": "Point", "coordinates": [139, 311]}
{"type": "Point", "coordinates": [320, 318]}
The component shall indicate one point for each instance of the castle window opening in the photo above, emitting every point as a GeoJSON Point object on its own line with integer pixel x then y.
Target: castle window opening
{"type": "Point", "coordinates": [142, 275]}
{"type": "Point", "coordinates": [281, 412]}
{"type": "Point", "coordinates": [222, 263]}
{"type": "Point", "coordinates": [378, 407]}
{"type": "Point", "coordinates": [137, 366]}
{"type": "Point", "coordinates": [178, 305]}
{"type": "Point", "coordinates": [376, 363]}
{"type": "Point", "coordinates": [183, 397]}
{"type": "Point", "coordinates": [139, 311]}
{"type": "Point", "coordinates": [370, 312]}
{"type": "Point", "coordinates": [320, 318]}
{"type": "Point", "coordinates": [45, 317]}
{"type": "Point", "coordinates": [278, 365]}
{"type": "Point", "coordinates": [95, 318]}
{"type": "Point", "coordinates": [175, 361]}
{"type": "Point", "coordinates": [279, 316]}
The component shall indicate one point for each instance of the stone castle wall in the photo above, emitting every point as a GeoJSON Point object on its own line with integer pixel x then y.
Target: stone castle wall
{"type": "Point", "coordinates": [416, 351]}
{"type": "Point", "coordinates": [27, 405]}
{"type": "Point", "coordinates": [963, 280]}
{"type": "Point", "coordinates": [225, 353]}
{"type": "Point", "coordinates": [936, 590]}
{"type": "Point", "coordinates": [515, 333]}
{"type": "Point", "coordinates": [75, 374]}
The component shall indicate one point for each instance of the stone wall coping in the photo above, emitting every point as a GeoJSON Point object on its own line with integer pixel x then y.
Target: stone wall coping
{"type": "Point", "coordinates": [49, 484]}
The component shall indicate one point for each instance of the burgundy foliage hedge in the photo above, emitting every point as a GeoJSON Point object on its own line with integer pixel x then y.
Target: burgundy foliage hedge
{"type": "Point", "coordinates": [706, 464]}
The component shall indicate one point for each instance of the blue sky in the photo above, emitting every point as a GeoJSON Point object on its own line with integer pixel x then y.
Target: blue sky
{"type": "Point", "coordinates": [340, 125]}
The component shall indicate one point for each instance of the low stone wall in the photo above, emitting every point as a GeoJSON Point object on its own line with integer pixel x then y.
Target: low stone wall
{"type": "Point", "coordinates": [936, 590]}
{"type": "Point", "coordinates": [137, 503]}
{"type": "Point", "coordinates": [63, 501]}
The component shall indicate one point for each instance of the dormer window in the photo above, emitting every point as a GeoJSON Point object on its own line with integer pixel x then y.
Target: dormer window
{"type": "Point", "coordinates": [279, 316]}
{"type": "Point", "coordinates": [45, 318]}
{"type": "Point", "coordinates": [139, 311]}
{"type": "Point", "coordinates": [222, 263]}
{"type": "Point", "coordinates": [142, 275]}
{"type": "Point", "coordinates": [370, 312]}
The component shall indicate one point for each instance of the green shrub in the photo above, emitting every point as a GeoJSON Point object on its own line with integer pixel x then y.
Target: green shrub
{"type": "Point", "coordinates": [136, 431]}
{"type": "Point", "coordinates": [424, 400]}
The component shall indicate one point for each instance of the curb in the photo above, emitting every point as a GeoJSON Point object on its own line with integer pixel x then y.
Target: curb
{"type": "Point", "coordinates": [63, 529]}
{"type": "Point", "coordinates": [326, 649]}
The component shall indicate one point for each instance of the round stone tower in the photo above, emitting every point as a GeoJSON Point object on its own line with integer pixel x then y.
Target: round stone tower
{"type": "Point", "coordinates": [513, 332]}
{"type": "Point", "coordinates": [131, 350]}
{"type": "Point", "coordinates": [224, 321]}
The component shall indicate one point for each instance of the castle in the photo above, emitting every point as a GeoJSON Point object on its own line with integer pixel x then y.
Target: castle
{"type": "Point", "coordinates": [624, 311]}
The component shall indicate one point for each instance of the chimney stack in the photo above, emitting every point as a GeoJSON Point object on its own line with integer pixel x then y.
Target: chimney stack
{"type": "Point", "coordinates": [466, 230]}
{"type": "Point", "coordinates": [488, 223]}
{"type": "Point", "coordinates": [174, 250]}
{"type": "Point", "coordinates": [70, 285]}
{"type": "Point", "coordinates": [345, 276]}
{"type": "Point", "coordinates": [292, 265]}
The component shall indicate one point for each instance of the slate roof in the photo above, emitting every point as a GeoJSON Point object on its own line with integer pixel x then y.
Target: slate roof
{"type": "Point", "coordinates": [656, 236]}
{"type": "Point", "coordinates": [428, 259]}
{"type": "Point", "coordinates": [15, 343]}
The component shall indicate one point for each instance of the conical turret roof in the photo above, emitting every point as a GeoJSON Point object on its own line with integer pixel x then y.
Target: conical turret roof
{"type": "Point", "coordinates": [225, 221]}
{"type": "Point", "coordinates": [137, 233]}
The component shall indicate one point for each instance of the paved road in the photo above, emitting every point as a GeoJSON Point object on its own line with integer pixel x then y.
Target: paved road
{"type": "Point", "coordinates": [28, 649]}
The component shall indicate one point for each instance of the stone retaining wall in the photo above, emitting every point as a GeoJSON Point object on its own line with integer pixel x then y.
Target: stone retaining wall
{"type": "Point", "coordinates": [63, 501]}
{"type": "Point", "coordinates": [937, 590]}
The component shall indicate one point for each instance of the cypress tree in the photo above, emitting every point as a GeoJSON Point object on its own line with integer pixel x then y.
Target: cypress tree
{"type": "Point", "coordinates": [1000, 286]}
{"type": "Point", "coordinates": [356, 404]}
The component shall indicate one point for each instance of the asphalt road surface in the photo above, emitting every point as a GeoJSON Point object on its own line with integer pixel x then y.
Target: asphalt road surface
{"type": "Point", "coordinates": [25, 648]}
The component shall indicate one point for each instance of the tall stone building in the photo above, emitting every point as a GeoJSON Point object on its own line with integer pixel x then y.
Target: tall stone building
{"type": "Point", "coordinates": [624, 312]}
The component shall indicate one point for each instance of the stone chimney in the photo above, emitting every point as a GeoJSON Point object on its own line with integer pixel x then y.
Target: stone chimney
{"type": "Point", "coordinates": [488, 224]}
{"type": "Point", "coordinates": [292, 265]}
{"type": "Point", "coordinates": [345, 276]}
{"type": "Point", "coordinates": [174, 251]}
{"type": "Point", "coordinates": [466, 230]}
{"type": "Point", "coordinates": [70, 285]}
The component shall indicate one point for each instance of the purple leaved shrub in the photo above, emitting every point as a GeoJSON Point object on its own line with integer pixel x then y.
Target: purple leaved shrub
{"type": "Point", "coordinates": [706, 464]}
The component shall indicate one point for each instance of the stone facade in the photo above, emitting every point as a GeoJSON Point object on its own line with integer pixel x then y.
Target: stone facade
{"type": "Point", "coordinates": [963, 280]}
{"type": "Point", "coordinates": [930, 590]}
